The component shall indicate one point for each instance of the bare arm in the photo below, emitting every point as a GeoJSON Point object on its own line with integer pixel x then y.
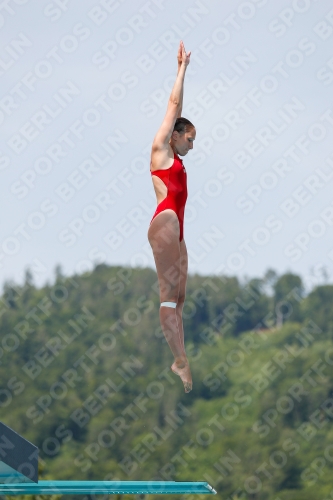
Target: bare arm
{"type": "Point", "coordinates": [162, 138]}
{"type": "Point", "coordinates": [179, 58]}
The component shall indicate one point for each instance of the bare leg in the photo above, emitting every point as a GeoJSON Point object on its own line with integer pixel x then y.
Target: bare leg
{"type": "Point", "coordinates": [182, 287]}
{"type": "Point", "coordinates": [183, 368]}
{"type": "Point", "coordinates": [163, 235]}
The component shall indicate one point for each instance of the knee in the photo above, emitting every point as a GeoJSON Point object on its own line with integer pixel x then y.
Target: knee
{"type": "Point", "coordinates": [181, 300]}
{"type": "Point", "coordinates": [168, 291]}
{"type": "Point", "coordinates": [170, 296]}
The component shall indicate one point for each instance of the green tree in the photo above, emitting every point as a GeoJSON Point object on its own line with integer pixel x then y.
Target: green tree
{"type": "Point", "coordinates": [318, 307]}
{"type": "Point", "coordinates": [288, 295]}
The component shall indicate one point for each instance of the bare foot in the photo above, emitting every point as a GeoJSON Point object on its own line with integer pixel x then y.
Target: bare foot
{"type": "Point", "coordinates": [181, 368]}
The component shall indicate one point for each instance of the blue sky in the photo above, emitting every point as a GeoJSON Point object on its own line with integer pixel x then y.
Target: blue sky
{"type": "Point", "coordinates": [84, 90]}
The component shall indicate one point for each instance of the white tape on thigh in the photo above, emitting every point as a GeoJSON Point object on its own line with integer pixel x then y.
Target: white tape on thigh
{"type": "Point", "coordinates": [169, 304]}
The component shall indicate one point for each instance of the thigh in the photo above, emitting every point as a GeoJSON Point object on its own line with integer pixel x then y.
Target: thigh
{"type": "Point", "coordinates": [163, 235]}
{"type": "Point", "coordinates": [183, 271]}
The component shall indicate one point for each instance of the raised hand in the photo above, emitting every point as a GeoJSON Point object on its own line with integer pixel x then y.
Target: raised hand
{"type": "Point", "coordinates": [179, 55]}
{"type": "Point", "coordinates": [182, 56]}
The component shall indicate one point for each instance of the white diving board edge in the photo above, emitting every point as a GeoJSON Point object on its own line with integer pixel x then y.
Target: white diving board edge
{"type": "Point", "coordinates": [106, 488]}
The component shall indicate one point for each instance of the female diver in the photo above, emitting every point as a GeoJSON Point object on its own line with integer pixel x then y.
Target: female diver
{"type": "Point", "coordinates": [174, 138]}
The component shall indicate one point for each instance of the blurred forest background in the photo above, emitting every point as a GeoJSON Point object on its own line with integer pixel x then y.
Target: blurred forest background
{"type": "Point", "coordinates": [85, 375]}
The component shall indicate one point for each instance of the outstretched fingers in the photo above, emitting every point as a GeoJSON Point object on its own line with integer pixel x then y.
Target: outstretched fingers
{"type": "Point", "coordinates": [179, 55]}
{"type": "Point", "coordinates": [183, 57]}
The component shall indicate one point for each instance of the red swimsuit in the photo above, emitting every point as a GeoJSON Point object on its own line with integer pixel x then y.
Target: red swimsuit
{"type": "Point", "coordinates": [175, 179]}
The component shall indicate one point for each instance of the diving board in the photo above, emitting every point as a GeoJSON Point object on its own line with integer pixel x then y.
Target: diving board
{"type": "Point", "coordinates": [106, 488]}
{"type": "Point", "coordinates": [19, 476]}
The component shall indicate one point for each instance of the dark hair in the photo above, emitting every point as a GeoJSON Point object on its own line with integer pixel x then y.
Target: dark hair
{"type": "Point", "coordinates": [183, 125]}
